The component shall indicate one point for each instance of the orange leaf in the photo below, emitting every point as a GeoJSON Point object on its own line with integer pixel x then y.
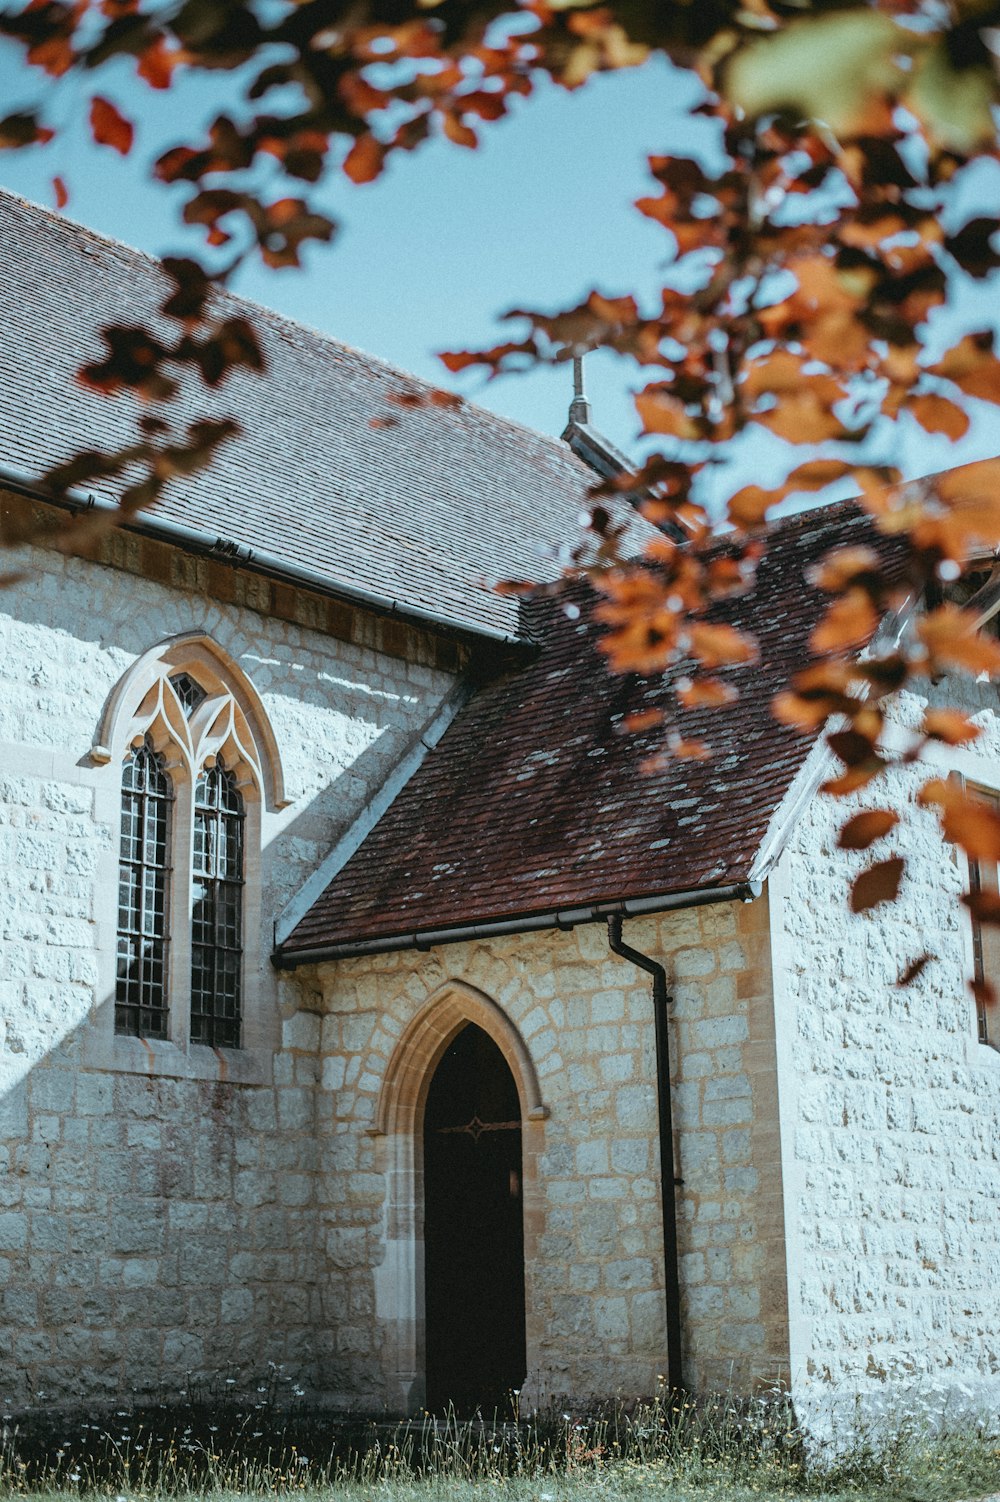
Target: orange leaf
{"type": "Point", "coordinates": [848, 623]}
{"type": "Point", "coordinates": [966, 820]}
{"type": "Point", "coordinates": [157, 64]}
{"type": "Point", "coordinates": [953, 641]}
{"type": "Point", "coordinates": [662, 413]}
{"type": "Point", "coordinates": [749, 506]}
{"type": "Point", "coordinates": [936, 414]}
{"type": "Point", "coordinates": [717, 645]}
{"type": "Point", "coordinates": [880, 883]}
{"type": "Point", "coordinates": [689, 750]}
{"type": "Point", "coordinates": [705, 693]}
{"type": "Point", "coordinates": [839, 569]}
{"type": "Point", "coordinates": [365, 160]}
{"type": "Point", "coordinates": [61, 192]}
{"type": "Point", "coordinates": [642, 719]}
{"type": "Point", "coordinates": [852, 780]}
{"type": "Point", "coordinates": [950, 726]}
{"type": "Point", "coordinates": [458, 132]}
{"type": "Point", "coordinates": [108, 127]}
{"type": "Point", "coordinates": [864, 829]}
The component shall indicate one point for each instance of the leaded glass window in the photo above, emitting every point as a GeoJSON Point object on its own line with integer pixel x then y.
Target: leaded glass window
{"type": "Point", "coordinates": [217, 931]}
{"type": "Point", "coordinates": [189, 692]}
{"type": "Point", "coordinates": [140, 987]}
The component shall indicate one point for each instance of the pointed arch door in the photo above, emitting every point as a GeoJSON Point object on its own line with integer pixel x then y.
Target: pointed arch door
{"type": "Point", "coordinates": [473, 1229]}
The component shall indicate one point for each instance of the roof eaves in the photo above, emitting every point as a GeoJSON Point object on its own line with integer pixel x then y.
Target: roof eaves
{"type": "Point", "coordinates": [257, 560]}
{"type": "Point", "coordinates": [565, 919]}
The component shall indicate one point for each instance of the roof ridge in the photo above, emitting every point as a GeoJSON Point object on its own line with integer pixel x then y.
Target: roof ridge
{"type": "Point", "coordinates": [559, 448]}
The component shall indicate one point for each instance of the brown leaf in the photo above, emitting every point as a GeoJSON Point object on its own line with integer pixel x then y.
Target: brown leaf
{"type": "Point", "coordinates": [984, 992]}
{"type": "Point", "coordinates": [642, 719]}
{"type": "Point", "coordinates": [880, 883]}
{"type": "Point", "coordinates": [23, 129]}
{"type": "Point", "coordinates": [936, 414]}
{"type": "Point", "coordinates": [717, 645]}
{"type": "Point", "coordinates": [61, 192]}
{"type": "Point", "coordinates": [365, 160]}
{"type": "Point", "coordinates": [705, 693]}
{"type": "Point", "coordinates": [952, 640]}
{"type": "Point", "coordinates": [984, 905]}
{"type": "Point", "coordinates": [950, 726]}
{"type": "Point", "coordinates": [108, 127]}
{"type": "Point", "coordinates": [662, 412]}
{"type": "Point", "coordinates": [864, 829]}
{"type": "Point", "coordinates": [915, 968]}
{"type": "Point", "coordinates": [966, 820]}
{"type": "Point", "coordinates": [848, 623]}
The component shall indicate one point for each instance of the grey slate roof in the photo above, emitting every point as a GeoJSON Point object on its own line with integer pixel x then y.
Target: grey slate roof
{"type": "Point", "coordinates": [430, 511]}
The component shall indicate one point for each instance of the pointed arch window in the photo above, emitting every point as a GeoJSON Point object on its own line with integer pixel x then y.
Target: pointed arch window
{"type": "Point", "coordinates": [199, 773]}
{"type": "Point", "coordinates": [143, 882]}
{"type": "Point", "coordinates": [217, 912]}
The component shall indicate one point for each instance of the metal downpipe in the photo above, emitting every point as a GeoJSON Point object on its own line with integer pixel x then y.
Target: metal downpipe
{"type": "Point", "coordinates": [668, 1195]}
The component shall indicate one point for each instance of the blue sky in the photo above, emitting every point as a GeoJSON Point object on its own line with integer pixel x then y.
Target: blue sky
{"type": "Point", "coordinates": [448, 239]}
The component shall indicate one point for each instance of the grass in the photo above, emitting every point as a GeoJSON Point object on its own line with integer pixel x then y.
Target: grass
{"type": "Point", "coordinates": [723, 1451]}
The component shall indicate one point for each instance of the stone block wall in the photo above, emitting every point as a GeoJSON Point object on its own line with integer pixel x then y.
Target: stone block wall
{"type": "Point", "coordinates": [890, 1109]}
{"type": "Point", "coordinates": [593, 1230]}
{"type": "Point", "coordinates": [160, 1224]}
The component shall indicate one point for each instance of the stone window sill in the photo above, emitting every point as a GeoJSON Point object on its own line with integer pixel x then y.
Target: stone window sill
{"type": "Point", "coordinates": [165, 1059]}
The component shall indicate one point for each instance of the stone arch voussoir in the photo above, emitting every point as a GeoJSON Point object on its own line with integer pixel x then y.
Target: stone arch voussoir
{"type": "Point", "coordinates": [416, 1054]}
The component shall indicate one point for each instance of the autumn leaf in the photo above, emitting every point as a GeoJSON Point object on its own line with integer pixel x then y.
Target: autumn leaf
{"type": "Point", "coordinates": [984, 905]}
{"type": "Point", "coordinates": [953, 640]}
{"type": "Point", "coordinates": [879, 883]}
{"type": "Point", "coordinates": [23, 129]}
{"type": "Point", "coordinates": [716, 645]}
{"type": "Point", "coordinates": [848, 623]}
{"type": "Point", "coordinates": [865, 828]}
{"type": "Point", "coordinates": [365, 160]}
{"type": "Point", "coordinates": [915, 968]}
{"type": "Point", "coordinates": [705, 693]}
{"type": "Point", "coordinates": [950, 726]}
{"type": "Point", "coordinates": [108, 127]}
{"type": "Point", "coordinates": [936, 414]}
{"type": "Point", "coordinates": [662, 412]}
{"type": "Point", "coordinates": [60, 192]}
{"type": "Point", "coordinates": [642, 719]}
{"type": "Point", "coordinates": [967, 821]}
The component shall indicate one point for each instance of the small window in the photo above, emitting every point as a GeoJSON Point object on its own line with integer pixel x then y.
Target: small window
{"type": "Point", "coordinates": [189, 693]}
{"type": "Point", "coordinates": [141, 982]}
{"type": "Point", "coordinates": [217, 922]}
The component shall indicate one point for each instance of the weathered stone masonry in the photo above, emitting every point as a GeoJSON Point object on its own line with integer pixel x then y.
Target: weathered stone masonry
{"type": "Point", "coordinates": [592, 1216]}
{"type": "Point", "coordinates": [153, 1226]}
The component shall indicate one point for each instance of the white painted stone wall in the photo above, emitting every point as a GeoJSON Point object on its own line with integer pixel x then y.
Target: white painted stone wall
{"type": "Point", "coordinates": [890, 1113]}
{"type": "Point", "coordinates": [153, 1226]}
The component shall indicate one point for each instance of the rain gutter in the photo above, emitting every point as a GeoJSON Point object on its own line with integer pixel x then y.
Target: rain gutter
{"type": "Point", "coordinates": [564, 918]}
{"type": "Point", "coordinates": [239, 555]}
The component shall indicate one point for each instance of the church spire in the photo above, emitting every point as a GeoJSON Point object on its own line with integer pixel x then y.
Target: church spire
{"type": "Point", "coordinates": [579, 407]}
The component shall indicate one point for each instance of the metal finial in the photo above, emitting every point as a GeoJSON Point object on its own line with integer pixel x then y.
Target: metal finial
{"type": "Point", "coordinates": [579, 408]}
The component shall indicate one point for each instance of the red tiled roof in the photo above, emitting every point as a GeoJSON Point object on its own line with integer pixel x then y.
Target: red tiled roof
{"type": "Point", "coordinates": [533, 801]}
{"type": "Point", "coordinates": [428, 512]}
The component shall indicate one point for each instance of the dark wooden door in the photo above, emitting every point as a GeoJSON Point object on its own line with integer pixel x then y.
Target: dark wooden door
{"type": "Point", "coordinates": [473, 1229]}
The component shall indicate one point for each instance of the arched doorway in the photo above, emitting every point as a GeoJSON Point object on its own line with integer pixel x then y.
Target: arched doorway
{"type": "Point", "coordinates": [473, 1228]}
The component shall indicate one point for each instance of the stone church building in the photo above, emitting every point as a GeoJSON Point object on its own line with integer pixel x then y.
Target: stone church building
{"type": "Point", "coordinates": [317, 1045]}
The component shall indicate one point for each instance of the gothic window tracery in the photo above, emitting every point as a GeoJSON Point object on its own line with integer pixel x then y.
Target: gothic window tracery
{"type": "Point", "coordinates": [198, 764]}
